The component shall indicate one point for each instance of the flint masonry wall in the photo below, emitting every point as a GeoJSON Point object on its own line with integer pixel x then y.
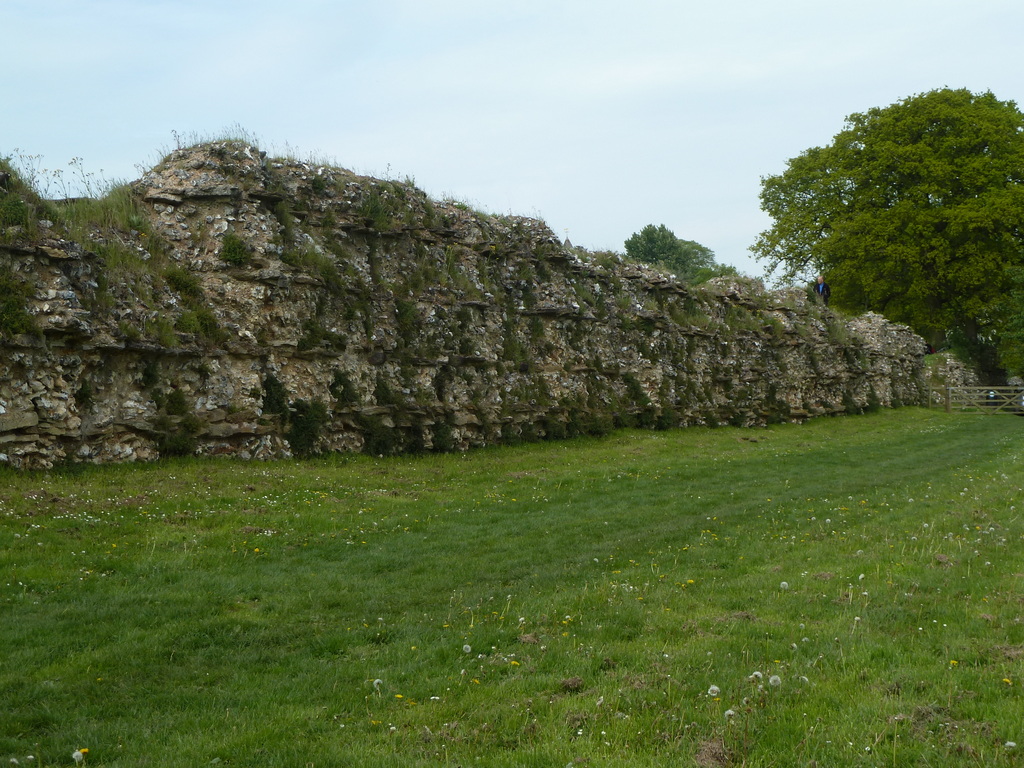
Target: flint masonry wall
{"type": "Point", "coordinates": [264, 308]}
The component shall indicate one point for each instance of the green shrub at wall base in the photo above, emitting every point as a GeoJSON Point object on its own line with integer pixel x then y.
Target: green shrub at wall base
{"type": "Point", "coordinates": [442, 439]}
{"type": "Point", "coordinates": [308, 420]}
{"type": "Point", "coordinates": [177, 439]}
{"type": "Point", "coordinates": [378, 438]}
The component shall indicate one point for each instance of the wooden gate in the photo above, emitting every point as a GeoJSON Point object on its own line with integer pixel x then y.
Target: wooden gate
{"type": "Point", "coordinates": [980, 399]}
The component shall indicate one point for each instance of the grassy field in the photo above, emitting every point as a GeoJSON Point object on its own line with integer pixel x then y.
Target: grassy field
{"type": "Point", "coordinates": [844, 592]}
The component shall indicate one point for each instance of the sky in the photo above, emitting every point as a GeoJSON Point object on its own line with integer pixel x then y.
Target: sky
{"type": "Point", "coordinates": [597, 117]}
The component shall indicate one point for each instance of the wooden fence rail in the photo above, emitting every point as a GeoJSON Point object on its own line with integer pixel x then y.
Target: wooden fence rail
{"type": "Point", "coordinates": [980, 399]}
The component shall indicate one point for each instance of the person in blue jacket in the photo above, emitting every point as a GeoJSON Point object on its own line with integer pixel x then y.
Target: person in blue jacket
{"type": "Point", "coordinates": [823, 291]}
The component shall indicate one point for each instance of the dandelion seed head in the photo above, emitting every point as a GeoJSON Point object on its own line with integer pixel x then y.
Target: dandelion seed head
{"type": "Point", "coordinates": [784, 586]}
{"type": "Point", "coordinates": [714, 690]}
{"type": "Point", "coordinates": [1010, 745]}
{"type": "Point", "coordinates": [467, 649]}
{"type": "Point", "coordinates": [729, 713]}
{"type": "Point", "coordinates": [774, 681]}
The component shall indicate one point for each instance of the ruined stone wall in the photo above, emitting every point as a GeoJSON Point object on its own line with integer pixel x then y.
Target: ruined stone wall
{"type": "Point", "coordinates": [264, 308]}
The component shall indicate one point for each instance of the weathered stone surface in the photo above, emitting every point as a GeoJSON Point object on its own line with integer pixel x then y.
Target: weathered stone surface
{"type": "Point", "coordinates": [18, 420]}
{"type": "Point", "coordinates": [362, 315]}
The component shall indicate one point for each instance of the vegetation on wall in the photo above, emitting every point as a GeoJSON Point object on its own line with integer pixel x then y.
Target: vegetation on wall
{"type": "Point", "coordinates": [308, 419]}
{"type": "Point", "coordinates": [396, 339]}
{"type": "Point", "coordinates": [234, 251]}
{"type": "Point", "coordinates": [14, 296]}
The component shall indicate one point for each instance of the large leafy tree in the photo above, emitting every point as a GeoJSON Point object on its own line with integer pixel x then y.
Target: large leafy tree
{"type": "Point", "coordinates": [690, 261]}
{"type": "Point", "coordinates": [1011, 327]}
{"type": "Point", "coordinates": [915, 210]}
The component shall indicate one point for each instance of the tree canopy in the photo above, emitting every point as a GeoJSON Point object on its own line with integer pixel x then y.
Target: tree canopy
{"type": "Point", "coordinates": [915, 210]}
{"type": "Point", "coordinates": [690, 261]}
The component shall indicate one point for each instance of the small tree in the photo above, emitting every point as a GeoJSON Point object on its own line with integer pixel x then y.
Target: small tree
{"type": "Point", "coordinates": [690, 261]}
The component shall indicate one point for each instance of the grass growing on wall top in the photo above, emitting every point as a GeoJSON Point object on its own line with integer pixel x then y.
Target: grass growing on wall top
{"type": "Point", "coordinates": [844, 591]}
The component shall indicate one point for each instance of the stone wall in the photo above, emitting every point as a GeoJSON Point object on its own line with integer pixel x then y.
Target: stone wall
{"type": "Point", "coordinates": [263, 308]}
